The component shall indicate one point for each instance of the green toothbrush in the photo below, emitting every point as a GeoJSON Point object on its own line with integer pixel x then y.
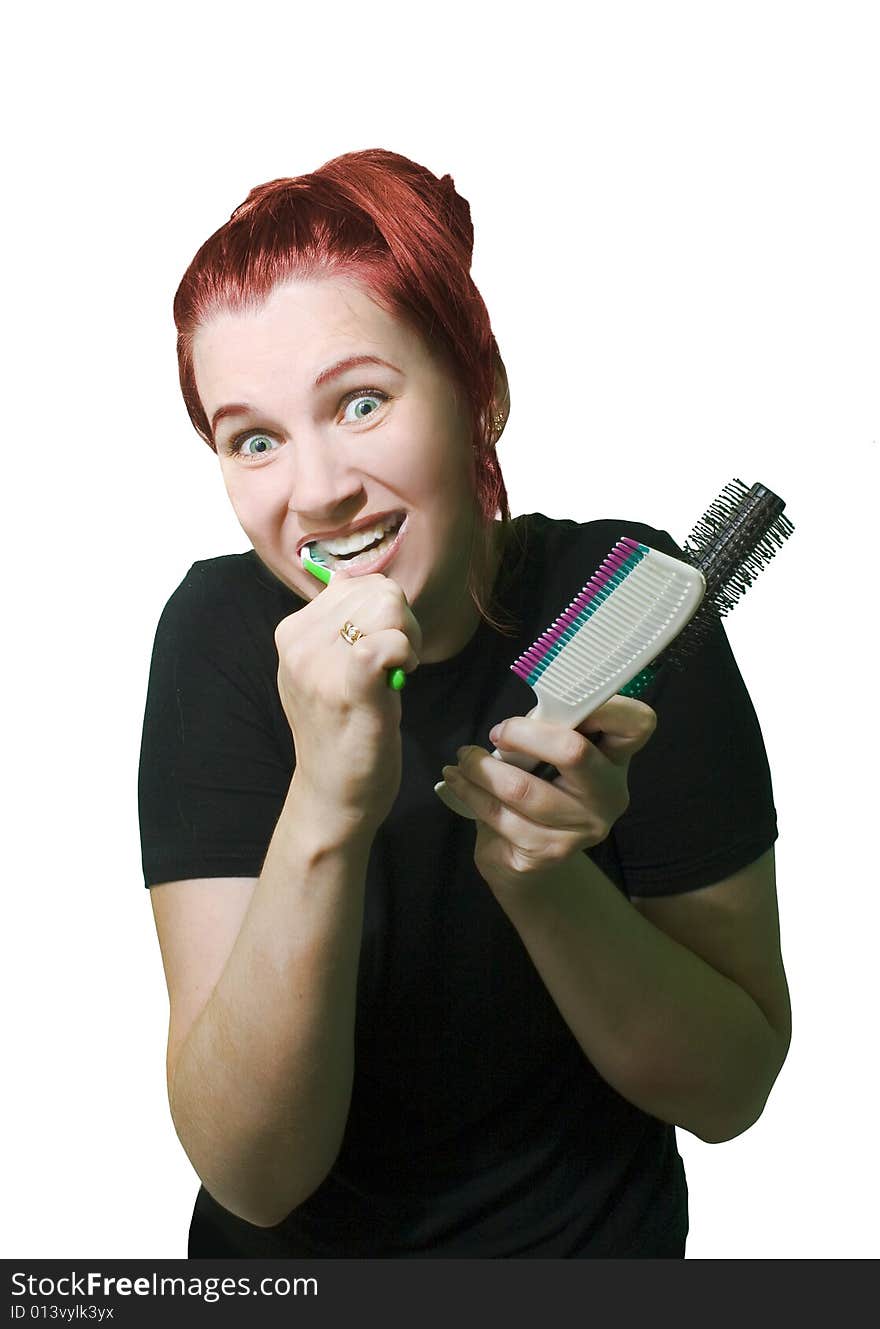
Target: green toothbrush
{"type": "Point", "coordinates": [312, 563]}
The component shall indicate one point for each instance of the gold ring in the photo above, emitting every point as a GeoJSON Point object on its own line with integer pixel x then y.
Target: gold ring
{"type": "Point", "coordinates": [350, 633]}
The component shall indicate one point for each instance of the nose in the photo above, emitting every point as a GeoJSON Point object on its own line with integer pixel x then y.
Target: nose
{"type": "Point", "coordinates": [323, 484]}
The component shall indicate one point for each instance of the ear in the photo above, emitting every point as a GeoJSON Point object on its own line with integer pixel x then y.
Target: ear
{"type": "Point", "coordinates": [501, 404]}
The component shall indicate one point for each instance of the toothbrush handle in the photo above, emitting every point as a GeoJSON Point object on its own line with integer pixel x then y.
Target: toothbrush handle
{"type": "Point", "coordinates": [396, 679]}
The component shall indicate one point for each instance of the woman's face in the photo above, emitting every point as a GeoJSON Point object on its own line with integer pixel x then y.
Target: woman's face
{"type": "Point", "coordinates": [311, 444]}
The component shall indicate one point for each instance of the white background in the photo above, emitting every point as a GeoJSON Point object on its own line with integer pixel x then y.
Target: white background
{"type": "Point", "coordinates": [676, 216]}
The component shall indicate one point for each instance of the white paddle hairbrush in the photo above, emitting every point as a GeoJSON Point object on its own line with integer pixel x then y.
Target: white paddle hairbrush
{"type": "Point", "coordinates": [632, 607]}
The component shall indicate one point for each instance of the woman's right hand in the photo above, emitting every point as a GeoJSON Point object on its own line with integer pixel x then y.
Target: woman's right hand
{"type": "Point", "coordinates": [344, 717]}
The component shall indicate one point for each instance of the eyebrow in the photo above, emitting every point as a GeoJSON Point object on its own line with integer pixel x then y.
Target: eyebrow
{"type": "Point", "coordinates": [332, 371]}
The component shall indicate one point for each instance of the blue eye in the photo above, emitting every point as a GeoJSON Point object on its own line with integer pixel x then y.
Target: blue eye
{"type": "Point", "coordinates": [262, 444]}
{"type": "Point", "coordinates": [371, 398]}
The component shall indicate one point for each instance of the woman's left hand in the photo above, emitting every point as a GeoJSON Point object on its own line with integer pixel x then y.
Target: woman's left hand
{"type": "Point", "coordinates": [527, 826]}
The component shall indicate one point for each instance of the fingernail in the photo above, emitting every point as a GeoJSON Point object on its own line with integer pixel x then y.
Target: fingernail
{"type": "Point", "coordinates": [495, 733]}
{"type": "Point", "coordinates": [449, 773]}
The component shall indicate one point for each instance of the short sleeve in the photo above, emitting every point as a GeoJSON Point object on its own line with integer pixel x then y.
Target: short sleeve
{"type": "Point", "coordinates": [214, 765]}
{"type": "Point", "coordinates": [701, 799]}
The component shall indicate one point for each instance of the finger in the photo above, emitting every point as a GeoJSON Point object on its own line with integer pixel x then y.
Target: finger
{"type": "Point", "coordinates": [389, 648]}
{"type": "Point", "coordinates": [528, 796]}
{"type": "Point", "coordinates": [620, 728]}
{"type": "Point", "coordinates": [373, 603]}
{"type": "Point", "coordinates": [410, 624]}
{"type": "Point", "coordinates": [506, 821]}
{"type": "Point", "coordinates": [553, 744]}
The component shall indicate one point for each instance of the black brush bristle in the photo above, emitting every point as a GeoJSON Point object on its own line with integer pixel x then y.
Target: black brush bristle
{"type": "Point", "coordinates": [732, 542]}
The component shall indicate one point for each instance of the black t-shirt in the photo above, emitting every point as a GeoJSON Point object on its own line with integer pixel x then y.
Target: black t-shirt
{"type": "Point", "coordinates": [477, 1126]}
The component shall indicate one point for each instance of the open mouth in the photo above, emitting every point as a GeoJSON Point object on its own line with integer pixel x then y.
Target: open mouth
{"type": "Point", "coordinates": [379, 543]}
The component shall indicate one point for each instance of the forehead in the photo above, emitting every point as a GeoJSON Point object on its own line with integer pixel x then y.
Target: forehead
{"type": "Point", "coordinates": [301, 328]}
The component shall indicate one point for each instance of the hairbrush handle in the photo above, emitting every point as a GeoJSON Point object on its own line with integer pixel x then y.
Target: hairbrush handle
{"type": "Point", "coordinates": [544, 770]}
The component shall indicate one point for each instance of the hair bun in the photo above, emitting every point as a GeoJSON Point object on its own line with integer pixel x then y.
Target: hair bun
{"type": "Point", "coordinates": [258, 194]}
{"type": "Point", "coordinates": [455, 213]}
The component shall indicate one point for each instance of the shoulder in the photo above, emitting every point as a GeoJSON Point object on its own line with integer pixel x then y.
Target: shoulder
{"type": "Point", "coordinates": [212, 582]}
{"type": "Point", "coordinates": [214, 589]}
{"type": "Point", "coordinates": [561, 554]}
{"type": "Point", "coordinates": [225, 609]}
{"type": "Point", "coordinates": [567, 533]}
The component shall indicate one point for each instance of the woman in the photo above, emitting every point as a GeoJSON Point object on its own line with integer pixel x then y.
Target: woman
{"type": "Point", "coordinates": [390, 1034]}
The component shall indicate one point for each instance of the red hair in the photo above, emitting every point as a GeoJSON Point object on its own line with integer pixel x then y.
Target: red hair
{"type": "Point", "coordinates": [406, 237]}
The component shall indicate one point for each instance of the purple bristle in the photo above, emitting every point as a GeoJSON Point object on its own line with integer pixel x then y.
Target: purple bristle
{"type": "Point", "coordinates": [538, 651]}
{"type": "Point", "coordinates": [600, 578]}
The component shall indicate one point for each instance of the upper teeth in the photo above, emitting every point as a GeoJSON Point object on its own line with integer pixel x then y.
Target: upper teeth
{"type": "Point", "coordinates": [350, 544]}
